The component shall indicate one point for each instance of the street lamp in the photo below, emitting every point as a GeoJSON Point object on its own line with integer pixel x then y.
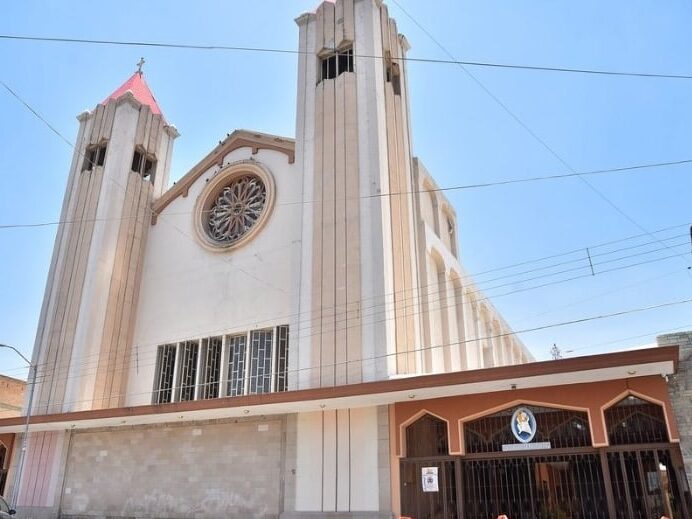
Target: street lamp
{"type": "Point", "coordinates": [22, 453]}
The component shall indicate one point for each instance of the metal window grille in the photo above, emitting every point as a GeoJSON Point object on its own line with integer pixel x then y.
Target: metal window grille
{"type": "Point", "coordinates": [251, 363]}
{"type": "Point", "coordinates": [633, 420]}
{"type": "Point", "coordinates": [427, 436]}
{"type": "Point", "coordinates": [165, 365]}
{"type": "Point", "coordinates": [211, 367]}
{"type": "Point", "coordinates": [281, 364]}
{"type": "Point", "coordinates": [189, 351]}
{"type": "Point", "coordinates": [260, 361]}
{"type": "Point", "coordinates": [236, 365]}
{"type": "Point", "coordinates": [562, 428]}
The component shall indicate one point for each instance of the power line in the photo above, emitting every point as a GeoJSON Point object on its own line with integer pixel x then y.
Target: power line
{"type": "Point", "coordinates": [649, 334]}
{"type": "Point", "coordinates": [471, 296]}
{"type": "Point", "coordinates": [238, 268]}
{"type": "Point", "coordinates": [270, 50]}
{"type": "Point", "coordinates": [622, 169]}
{"type": "Point", "coordinates": [38, 115]}
{"type": "Point", "coordinates": [521, 123]}
{"type": "Point", "coordinates": [321, 312]}
{"type": "Point", "coordinates": [333, 324]}
{"type": "Point", "coordinates": [147, 207]}
{"type": "Point", "coordinates": [454, 343]}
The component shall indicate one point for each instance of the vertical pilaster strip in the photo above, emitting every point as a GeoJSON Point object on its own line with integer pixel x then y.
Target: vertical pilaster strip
{"type": "Point", "coordinates": [341, 245]}
{"type": "Point", "coordinates": [328, 236]}
{"type": "Point", "coordinates": [317, 318]}
{"type": "Point", "coordinates": [353, 246]}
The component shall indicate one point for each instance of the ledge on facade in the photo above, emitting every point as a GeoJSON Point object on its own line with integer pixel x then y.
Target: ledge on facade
{"type": "Point", "coordinates": [661, 361]}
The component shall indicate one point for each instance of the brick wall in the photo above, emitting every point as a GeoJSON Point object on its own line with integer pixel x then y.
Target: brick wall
{"type": "Point", "coordinates": [11, 396]}
{"type": "Point", "coordinates": [211, 470]}
{"type": "Point", "coordinates": [680, 390]}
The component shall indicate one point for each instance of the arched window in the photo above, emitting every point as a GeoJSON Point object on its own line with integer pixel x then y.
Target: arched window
{"type": "Point", "coordinates": [427, 436]}
{"type": "Point", "coordinates": [633, 420]}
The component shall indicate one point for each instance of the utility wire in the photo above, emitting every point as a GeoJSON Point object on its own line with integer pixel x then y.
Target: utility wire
{"type": "Point", "coordinates": [470, 297]}
{"type": "Point", "coordinates": [456, 343]}
{"type": "Point", "coordinates": [38, 115]}
{"type": "Point", "coordinates": [68, 142]}
{"type": "Point", "coordinates": [622, 169]}
{"type": "Point", "coordinates": [269, 50]}
{"type": "Point", "coordinates": [521, 123]}
{"type": "Point", "coordinates": [333, 324]}
{"type": "Point", "coordinates": [120, 186]}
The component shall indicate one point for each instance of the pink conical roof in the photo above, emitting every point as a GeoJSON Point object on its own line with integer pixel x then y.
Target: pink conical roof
{"type": "Point", "coordinates": [139, 89]}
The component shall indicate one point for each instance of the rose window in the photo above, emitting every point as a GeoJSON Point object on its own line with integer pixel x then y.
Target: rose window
{"type": "Point", "coordinates": [236, 210]}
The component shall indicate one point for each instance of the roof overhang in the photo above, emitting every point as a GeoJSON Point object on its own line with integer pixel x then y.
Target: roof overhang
{"type": "Point", "coordinates": [595, 368]}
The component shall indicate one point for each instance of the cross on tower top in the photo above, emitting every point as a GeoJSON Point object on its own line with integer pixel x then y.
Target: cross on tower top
{"type": "Point", "coordinates": [140, 63]}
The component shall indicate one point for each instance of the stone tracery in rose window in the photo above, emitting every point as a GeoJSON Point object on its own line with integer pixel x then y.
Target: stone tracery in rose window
{"type": "Point", "coordinates": [237, 209]}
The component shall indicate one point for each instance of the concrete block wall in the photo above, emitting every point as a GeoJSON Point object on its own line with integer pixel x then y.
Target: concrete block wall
{"type": "Point", "coordinates": [203, 471]}
{"type": "Point", "coordinates": [680, 390]}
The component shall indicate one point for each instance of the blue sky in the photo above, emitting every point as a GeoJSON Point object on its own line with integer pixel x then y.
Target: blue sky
{"type": "Point", "coordinates": [461, 134]}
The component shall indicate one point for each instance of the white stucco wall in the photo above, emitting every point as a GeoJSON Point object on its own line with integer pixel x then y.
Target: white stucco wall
{"type": "Point", "coordinates": [188, 292]}
{"type": "Point", "coordinates": [337, 461]}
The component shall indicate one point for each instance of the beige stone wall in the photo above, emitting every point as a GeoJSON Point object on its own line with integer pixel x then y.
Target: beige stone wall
{"type": "Point", "coordinates": [211, 470]}
{"type": "Point", "coordinates": [11, 396]}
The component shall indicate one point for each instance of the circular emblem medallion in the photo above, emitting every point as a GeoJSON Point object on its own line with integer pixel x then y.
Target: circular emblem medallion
{"type": "Point", "coordinates": [523, 425]}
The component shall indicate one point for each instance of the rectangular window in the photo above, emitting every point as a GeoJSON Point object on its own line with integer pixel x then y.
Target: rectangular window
{"type": "Point", "coordinates": [281, 363]}
{"type": "Point", "coordinates": [236, 365]}
{"type": "Point", "coordinates": [260, 361]}
{"type": "Point", "coordinates": [94, 156]}
{"type": "Point", "coordinates": [163, 380]}
{"type": "Point", "coordinates": [252, 362]}
{"type": "Point", "coordinates": [393, 74]}
{"type": "Point", "coordinates": [210, 367]}
{"type": "Point", "coordinates": [101, 155]}
{"type": "Point", "coordinates": [187, 375]}
{"type": "Point", "coordinates": [336, 64]}
{"type": "Point", "coordinates": [136, 161]}
{"type": "Point", "coordinates": [148, 169]}
{"type": "Point", "coordinates": [143, 164]}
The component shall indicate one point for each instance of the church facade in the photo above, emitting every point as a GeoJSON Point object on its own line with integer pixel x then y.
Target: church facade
{"type": "Point", "coordinates": [287, 330]}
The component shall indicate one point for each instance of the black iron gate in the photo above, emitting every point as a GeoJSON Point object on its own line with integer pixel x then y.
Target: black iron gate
{"type": "Point", "coordinates": [646, 483]}
{"type": "Point", "coordinates": [530, 487]}
{"type": "Point", "coordinates": [640, 476]}
{"type": "Point", "coordinates": [632, 483]}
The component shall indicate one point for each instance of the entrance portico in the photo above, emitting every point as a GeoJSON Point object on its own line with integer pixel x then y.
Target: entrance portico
{"type": "Point", "coordinates": [604, 449]}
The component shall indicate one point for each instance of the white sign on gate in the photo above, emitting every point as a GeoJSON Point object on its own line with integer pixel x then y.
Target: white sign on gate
{"type": "Point", "coordinates": [429, 479]}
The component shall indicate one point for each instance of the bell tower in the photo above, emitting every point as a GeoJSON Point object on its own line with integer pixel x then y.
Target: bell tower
{"type": "Point", "coordinates": [359, 302]}
{"type": "Point", "coordinates": [121, 163]}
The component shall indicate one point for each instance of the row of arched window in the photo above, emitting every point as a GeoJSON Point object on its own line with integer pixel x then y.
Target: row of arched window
{"type": "Point", "coordinates": [630, 421]}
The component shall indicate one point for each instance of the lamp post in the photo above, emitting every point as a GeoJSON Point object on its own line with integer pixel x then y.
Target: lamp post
{"type": "Point", "coordinates": [22, 453]}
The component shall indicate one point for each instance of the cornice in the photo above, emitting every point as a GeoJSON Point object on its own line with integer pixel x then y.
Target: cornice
{"type": "Point", "coordinates": [238, 139]}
